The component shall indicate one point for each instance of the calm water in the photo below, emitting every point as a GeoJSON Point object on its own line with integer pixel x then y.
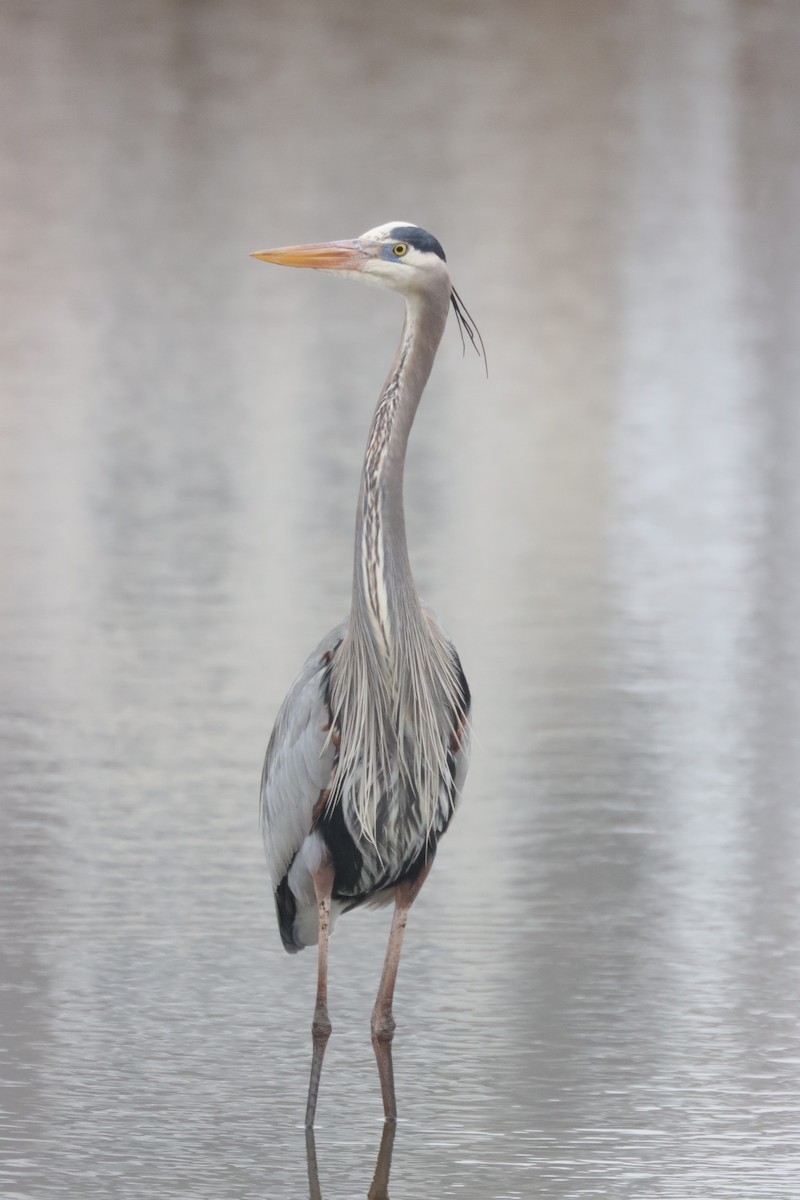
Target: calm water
{"type": "Point", "coordinates": [599, 994]}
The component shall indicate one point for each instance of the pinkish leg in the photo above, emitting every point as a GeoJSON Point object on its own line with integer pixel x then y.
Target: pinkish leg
{"type": "Point", "coordinates": [321, 1025]}
{"type": "Point", "coordinates": [383, 1023]}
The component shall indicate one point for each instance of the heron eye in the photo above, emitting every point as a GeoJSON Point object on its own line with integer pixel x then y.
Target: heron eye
{"type": "Point", "coordinates": [400, 248]}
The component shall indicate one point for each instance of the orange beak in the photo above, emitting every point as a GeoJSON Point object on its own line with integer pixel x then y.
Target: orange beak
{"type": "Point", "coordinates": [321, 256]}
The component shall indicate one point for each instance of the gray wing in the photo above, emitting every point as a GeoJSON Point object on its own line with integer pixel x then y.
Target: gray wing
{"type": "Point", "coordinates": [299, 761]}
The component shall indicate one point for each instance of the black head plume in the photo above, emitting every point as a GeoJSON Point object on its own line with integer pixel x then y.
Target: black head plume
{"type": "Point", "coordinates": [466, 324]}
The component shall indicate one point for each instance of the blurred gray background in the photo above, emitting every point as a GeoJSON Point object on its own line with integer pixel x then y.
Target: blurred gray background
{"type": "Point", "coordinates": [599, 994]}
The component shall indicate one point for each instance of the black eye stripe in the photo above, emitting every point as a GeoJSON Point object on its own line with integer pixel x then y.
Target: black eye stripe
{"type": "Point", "coordinates": [420, 239]}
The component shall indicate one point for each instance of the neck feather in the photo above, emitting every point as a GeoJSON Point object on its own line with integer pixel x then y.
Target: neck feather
{"type": "Point", "coordinates": [383, 585]}
{"type": "Point", "coordinates": [396, 690]}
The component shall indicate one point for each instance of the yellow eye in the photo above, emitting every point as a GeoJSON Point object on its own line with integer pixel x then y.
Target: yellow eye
{"type": "Point", "coordinates": [400, 248]}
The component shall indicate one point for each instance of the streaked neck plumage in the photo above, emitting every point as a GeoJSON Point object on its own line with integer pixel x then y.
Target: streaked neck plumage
{"type": "Point", "coordinates": [384, 594]}
{"type": "Point", "coordinates": [396, 689]}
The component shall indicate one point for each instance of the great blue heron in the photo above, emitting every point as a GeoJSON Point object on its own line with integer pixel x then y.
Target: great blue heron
{"type": "Point", "coordinates": [370, 747]}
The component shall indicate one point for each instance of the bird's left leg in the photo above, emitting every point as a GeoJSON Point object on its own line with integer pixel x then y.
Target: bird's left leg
{"type": "Point", "coordinates": [383, 1023]}
{"type": "Point", "coordinates": [321, 1025]}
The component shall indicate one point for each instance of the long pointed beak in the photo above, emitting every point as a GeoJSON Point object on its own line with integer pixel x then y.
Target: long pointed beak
{"type": "Point", "coordinates": [321, 256]}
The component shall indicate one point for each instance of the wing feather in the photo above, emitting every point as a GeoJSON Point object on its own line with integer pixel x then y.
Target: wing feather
{"type": "Point", "coordinates": [299, 761]}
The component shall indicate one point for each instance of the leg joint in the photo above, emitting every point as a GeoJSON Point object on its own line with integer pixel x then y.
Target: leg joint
{"type": "Point", "coordinates": [383, 1025]}
{"type": "Point", "coordinates": [321, 1027]}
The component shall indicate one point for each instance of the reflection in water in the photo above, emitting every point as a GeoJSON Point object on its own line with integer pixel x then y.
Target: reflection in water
{"type": "Point", "coordinates": [379, 1188]}
{"type": "Point", "coordinates": [314, 1191]}
{"type": "Point", "coordinates": [600, 993]}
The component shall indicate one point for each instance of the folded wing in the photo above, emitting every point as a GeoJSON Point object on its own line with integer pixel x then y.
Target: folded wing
{"type": "Point", "coordinates": [299, 761]}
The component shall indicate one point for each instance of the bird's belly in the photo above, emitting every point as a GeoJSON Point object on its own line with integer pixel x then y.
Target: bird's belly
{"type": "Point", "coordinates": [404, 840]}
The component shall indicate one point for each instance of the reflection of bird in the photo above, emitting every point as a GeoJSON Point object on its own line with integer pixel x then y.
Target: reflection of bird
{"type": "Point", "coordinates": [379, 1188]}
{"type": "Point", "coordinates": [370, 747]}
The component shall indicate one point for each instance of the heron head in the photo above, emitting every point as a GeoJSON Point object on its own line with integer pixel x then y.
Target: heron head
{"type": "Point", "coordinates": [397, 255]}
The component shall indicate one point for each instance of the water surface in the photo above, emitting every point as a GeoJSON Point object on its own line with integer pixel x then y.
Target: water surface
{"type": "Point", "coordinates": [598, 995]}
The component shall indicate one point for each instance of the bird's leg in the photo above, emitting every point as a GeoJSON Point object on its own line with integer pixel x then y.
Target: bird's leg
{"type": "Point", "coordinates": [321, 1025]}
{"type": "Point", "coordinates": [383, 1023]}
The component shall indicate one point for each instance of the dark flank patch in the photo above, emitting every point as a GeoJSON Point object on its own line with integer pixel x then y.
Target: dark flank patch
{"type": "Point", "coordinates": [286, 908]}
{"type": "Point", "coordinates": [420, 239]}
{"type": "Point", "coordinates": [345, 855]}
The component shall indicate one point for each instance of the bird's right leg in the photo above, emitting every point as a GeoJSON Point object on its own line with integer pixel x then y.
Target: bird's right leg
{"type": "Point", "coordinates": [321, 1025]}
{"type": "Point", "coordinates": [382, 1017]}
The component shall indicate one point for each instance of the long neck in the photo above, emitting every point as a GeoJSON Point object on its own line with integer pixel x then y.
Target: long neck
{"type": "Point", "coordinates": [383, 586]}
